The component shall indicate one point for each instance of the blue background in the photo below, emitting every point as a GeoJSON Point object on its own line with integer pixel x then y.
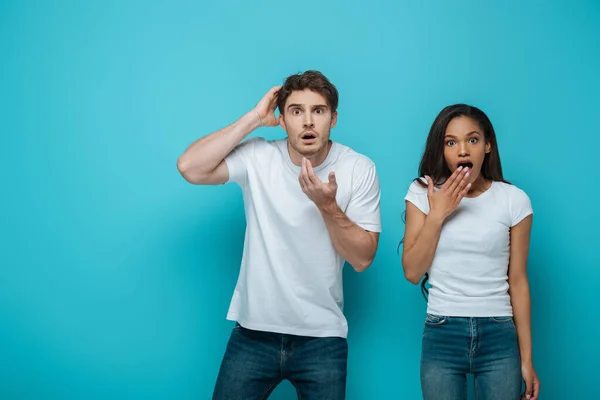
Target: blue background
{"type": "Point", "coordinates": [116, 274]}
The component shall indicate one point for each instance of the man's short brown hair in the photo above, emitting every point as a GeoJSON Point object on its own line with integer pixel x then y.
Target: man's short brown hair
{"type": "Point", "coordinates": [312, 80]}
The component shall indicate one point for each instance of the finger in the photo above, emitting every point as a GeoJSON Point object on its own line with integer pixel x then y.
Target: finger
{"type": "Point", "coordinates": [302, 185]}
{"type": "Point", "coordinates": [304, 175]}
{"type": "Point", "coordinates": [275, 92]}
{"type": "Point", "coordinates": [302, 182]}
{"type": "Point", "coordinates": [536, 390]}
{"type": "Point", "coordinates": [303, 170]}
{"type": "Point", "coordinates": [310, 172]}
{"type": "Point", "coordinates": [460, 178]}
{"type": "Point", "coordinates": [449, 184]}
{"type": "Point", "coordinates": [429, 186]}
{"type": "Point", "coordinates": [463, 193]}
{"type": "Point", "coordinates": [528, 389]}
{"type": "Point", "coordinates": [332, 180]}
{"type": "Point", "coordinates": [462, 181]}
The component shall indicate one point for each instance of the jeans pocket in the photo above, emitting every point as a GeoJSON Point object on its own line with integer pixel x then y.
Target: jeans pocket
{"type": "Point", "coordinates": [434, 320]}
{"type": "Point", "coordinates": [502, 320]}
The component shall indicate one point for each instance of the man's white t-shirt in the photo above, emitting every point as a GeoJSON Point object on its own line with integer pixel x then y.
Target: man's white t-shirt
{"type": "Point", "coordinates": [469, 273]}
{"type": "Point", "coordinates": [290, 279]}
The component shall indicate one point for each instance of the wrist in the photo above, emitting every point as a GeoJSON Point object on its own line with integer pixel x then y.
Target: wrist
{"type": "Point", "coordinates": [328, 207]}
{"type": "Point", "coordinates": [253, 119]}
{"type": "Point", "coordinates": [435, 218]}
{"type": "Point", "coordinates": [527, 361]}
{"type": "Point", "coordinates": [260, 117]}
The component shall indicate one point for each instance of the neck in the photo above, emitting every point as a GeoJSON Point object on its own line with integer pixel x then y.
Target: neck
{"type": "Point", "coordinates": [315, 159]}
{"type": "Point", "coordinates": [478, 186]}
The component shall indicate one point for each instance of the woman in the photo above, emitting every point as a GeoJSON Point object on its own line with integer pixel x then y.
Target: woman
{"type": "Point", "coordinates": [467, 231]}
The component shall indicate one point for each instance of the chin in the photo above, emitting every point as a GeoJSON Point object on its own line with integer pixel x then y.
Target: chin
{"type": "Point", "coordinates": [310, 150]}
{"type": "Point", "coordinates": [474, 176]}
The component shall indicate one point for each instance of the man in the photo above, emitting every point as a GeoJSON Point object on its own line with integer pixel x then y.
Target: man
{"type": "Point", "coordinates": [311, 204]}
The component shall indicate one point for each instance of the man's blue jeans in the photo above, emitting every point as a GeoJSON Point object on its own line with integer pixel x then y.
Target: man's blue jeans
{"type": "Point", "coordinates": [256, 362]}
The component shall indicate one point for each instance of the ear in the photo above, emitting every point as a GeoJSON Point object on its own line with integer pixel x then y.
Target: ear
{"type": "Point", "coordinates": [488, 147]}
{"type": "Point", "coordinates": [282, 122]}
{"type": "Point", "coordinates": [334, 116]}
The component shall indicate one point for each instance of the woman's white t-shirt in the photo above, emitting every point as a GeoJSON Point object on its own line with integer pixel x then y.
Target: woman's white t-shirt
{"type": "Point", "coordinates": [469, 272]}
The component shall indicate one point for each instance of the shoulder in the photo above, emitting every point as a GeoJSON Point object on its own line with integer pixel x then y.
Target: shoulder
{"type": "Point", "coordinates": [516, 200]}
{"type": "Point", "coordinates": [348, 158]}
{"type": "Point", "coordinates": [417, 195]}
{"type": "Point", "coordinates": [249, 144]}
{"type": "Point", "coordinates": [418, 189]}
{"type": "Point", "coordinates": [258, 145]}
{"type": "Point", "coordinates": [511, 192]}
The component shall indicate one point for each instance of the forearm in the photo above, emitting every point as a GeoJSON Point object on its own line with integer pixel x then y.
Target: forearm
{"type": "Point", "coordinates": [206, 153]}
{"type": "Point", "coordinates": [417, 259]}
{"type": "Point", "coordinates": [521, 304]}
{"type": "Point", "coordinates": [353, 243]}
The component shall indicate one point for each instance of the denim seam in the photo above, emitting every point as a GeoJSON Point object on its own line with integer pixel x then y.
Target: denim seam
{"type": "Point", "coordinates": [471, 346]}
{"type": "Point", "coordinates": [269, 390]}
{"type": "Point", "coordinates": [478, 341]}
{"type": "Point", "coordinates": [296, 387]}
{"type": "Point", "coordinates": [281, 357]}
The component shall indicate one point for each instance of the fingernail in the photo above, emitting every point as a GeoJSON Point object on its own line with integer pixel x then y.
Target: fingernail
{"type": "Point", "coordinates": [467, 174]}
{"type": "Point", "coordinates": [460, 168]}
{"type": "Point", "coordinates": [466, 168]}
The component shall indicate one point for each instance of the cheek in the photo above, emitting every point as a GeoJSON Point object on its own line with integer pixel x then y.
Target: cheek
{"type": "Point", "coordinates": [292, 123]}
{"type": "Point", "coordinates": [479, 153]}
{"type": "Point", "coordinates": [324, 122]}
{"type": "Point", "coordinates": [448, 155]}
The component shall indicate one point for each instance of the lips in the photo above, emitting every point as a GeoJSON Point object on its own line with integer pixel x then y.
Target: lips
{"type": "Point", "coordinates": [464, 164]}
{"type": "Point", "coordinates": [309, 138]}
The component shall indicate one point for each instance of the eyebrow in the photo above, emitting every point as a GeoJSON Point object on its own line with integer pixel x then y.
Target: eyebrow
{"type": "Point", "coordinates": [468, 134]}
{"type": "Point", "coordinates": [302, 105]}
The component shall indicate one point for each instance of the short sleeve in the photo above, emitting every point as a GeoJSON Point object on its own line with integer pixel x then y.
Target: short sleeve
{"type": "Point", "coordinates": [237, 160]}
{"type": "Point", "coordinates": [519, 206]}
{"type": "Point", "coordinates": [364, 206]}
{"type": "Point", "coordinates": [417, 195]}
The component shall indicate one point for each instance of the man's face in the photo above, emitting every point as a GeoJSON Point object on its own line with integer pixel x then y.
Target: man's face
{"type": "Point", "coordinates": [307, 119]}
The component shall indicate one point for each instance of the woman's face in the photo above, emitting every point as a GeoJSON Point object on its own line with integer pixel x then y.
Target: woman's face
{"type": "Point", "coordinates": [465, 146]}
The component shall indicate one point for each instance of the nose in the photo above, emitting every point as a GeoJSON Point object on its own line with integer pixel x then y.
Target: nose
{"type": "Point", "coordinates": [463, 151]}
{"type": "Point", "coordinates": [308, 121]}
